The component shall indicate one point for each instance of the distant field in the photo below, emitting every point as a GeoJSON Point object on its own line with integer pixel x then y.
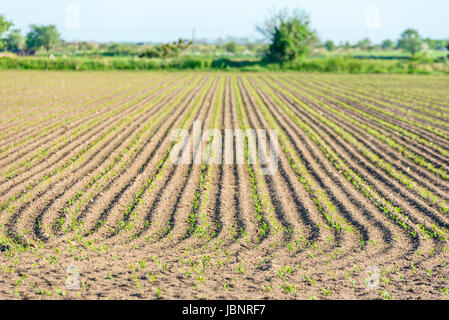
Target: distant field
{"type": "Point", "coordinates": [385, 53]}
{"type": "Point", "coordinates": [328, 64]}
{"type": "Point", "coordinates": [92, 205]}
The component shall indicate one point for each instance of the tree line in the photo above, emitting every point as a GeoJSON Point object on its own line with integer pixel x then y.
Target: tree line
{"type": "Point", "coordinates": [39, 36]}
{"type": "Point", "coordinates": [289, 35]}
{"type": "Point", "coordinates": [410, 41]}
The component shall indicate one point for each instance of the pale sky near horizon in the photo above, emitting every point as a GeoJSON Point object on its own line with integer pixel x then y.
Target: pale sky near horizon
{"type": "Point", "coordinates": [167, 20]}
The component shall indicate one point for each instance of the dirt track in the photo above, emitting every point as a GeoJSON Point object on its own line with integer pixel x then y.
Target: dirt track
{"type": "Point", "coordinates": [357, 208]}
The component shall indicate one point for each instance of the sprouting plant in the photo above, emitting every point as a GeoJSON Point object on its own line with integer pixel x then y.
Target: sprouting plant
{"type": "Point", "coordinates": [386, 295]}
{"type": "Point", "coordinates": [284, 271]}
{"type": "Point", "coordinates": [352, 281]}
{"type": "Point", "coordinates": [310, 279]}
{"type": "Point", "coordinates": [142, 264]}
{"type": "Point", "coordinates": [288, 288]}
{"type": "Point", "coordinates": [60, 292]}
{"type": "Point", "coordinates": [158, 292]}
{"type": "Point", "coordinates": [326, 291]}
{"type": "Point", "coordinates": [266, 288]}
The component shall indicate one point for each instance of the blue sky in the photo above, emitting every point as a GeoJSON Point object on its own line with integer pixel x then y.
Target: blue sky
{"type": "Point", "coordinates": [166, 20]}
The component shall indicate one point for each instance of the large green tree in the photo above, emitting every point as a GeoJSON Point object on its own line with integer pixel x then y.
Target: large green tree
{"type": "Point", "coordinates": [4, 27]}
{"type": "Point", "coordinates": [232, 47]}
{"type": "Point", "coordinates": [42, 37]}
{"type": "Point", "coordinates": [15, 41]}
{"type": "Point", "coordinates": [167, 50]}
{"type": "Point", "coordinates": [447, 47]}
{"type": "Point", "coordinates": [329, 45]}
{"type": "Point", "coordinates": [410, 41]}
{"type": "Point", "coordinates": [364, 44]}
{"type": "Point", "coordinates": [290, 35]}
{"type": "Point", "coordinates": [387, 44]}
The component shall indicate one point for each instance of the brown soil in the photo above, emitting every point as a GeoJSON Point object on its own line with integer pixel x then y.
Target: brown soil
{"type": "Point", "coordinates": [109, 201]}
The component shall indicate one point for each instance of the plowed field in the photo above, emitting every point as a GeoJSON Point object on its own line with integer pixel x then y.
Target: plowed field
{"type": "Point", "coordinates": [92, 207]}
